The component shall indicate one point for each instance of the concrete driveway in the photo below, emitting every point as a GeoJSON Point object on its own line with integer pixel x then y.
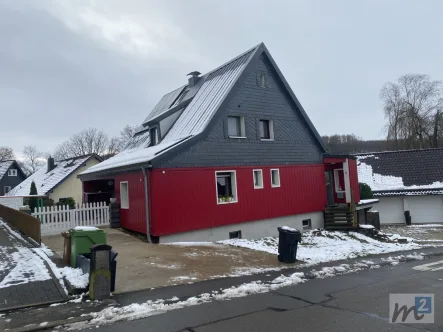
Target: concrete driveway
{"type": "Point", "coordinates": [142, 265]}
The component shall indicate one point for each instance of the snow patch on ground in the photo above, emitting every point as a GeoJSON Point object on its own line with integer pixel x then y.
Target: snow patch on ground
{"type": "Point", "coordinates": [76, 277]}
{"type": "Point", "coordinates": [191, 244]}
{"type": "Point", "coordinates": [366, 226]}
{"type": "Point", "coordinates": [426, 226]}
{"type": "Point", "coordinates": [27, 268]}
{"type": "Point", "coordinates": [327, 247]}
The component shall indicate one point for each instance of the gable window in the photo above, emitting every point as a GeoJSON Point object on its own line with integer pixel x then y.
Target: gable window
{"type": "Point", "coordinates": [124, 195]}
{"type": "Point", "coordinates": [12, 172]}
{"type": "Point", "coordinates": [236, 126]}
{"type": "Point", "coordinates": [266, 130]}
{"type": "Point", "coordinates": [153, 133]}
{"type": "Point", "coordinates": [258, 178]}
{"type": "Point", "coordinates": [275, 178]}
{"type": "Point", "coordinates": [226, 186]}
{"type": "Point", "coordinates": [7, 189]}
{"type": "Point", "coordinates": [262, 80]}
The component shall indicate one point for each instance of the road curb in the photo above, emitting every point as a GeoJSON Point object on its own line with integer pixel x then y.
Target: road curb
{"type": "Point", "coordinates": [52, 324]}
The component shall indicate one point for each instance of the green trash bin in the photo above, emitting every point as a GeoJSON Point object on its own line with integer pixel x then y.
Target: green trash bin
{"type": "Point", "coordinates": [83, 238]}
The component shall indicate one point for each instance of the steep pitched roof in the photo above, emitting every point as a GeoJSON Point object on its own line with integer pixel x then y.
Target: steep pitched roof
{"type": "Point", "coordinates": [412, 172]}
{"type": "Point", "coordinates": [46, 181]}
{"type": "Point", "coordinates": [5, 165]}
{"type": "Point", "coordinates": [196, 107]}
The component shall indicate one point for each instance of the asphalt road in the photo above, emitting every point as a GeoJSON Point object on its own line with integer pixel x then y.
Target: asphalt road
{"type": "Point", "coordinates": [354, 302]}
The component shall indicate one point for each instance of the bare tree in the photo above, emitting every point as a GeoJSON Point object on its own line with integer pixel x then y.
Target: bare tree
{"type": "Point", "coordinates": [6, 153]}
{"type": "Point", "coordinates": [87, 141]}
{"type": "Point", "coordinates": [126, 135]}
{"type": "Point", "coordinates": [411, 107]}
{"type": "Point", "coordinates": [33, 158]}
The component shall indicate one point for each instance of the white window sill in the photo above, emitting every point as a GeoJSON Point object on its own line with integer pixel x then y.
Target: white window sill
{"type": "Point", "coordinates": [237, 137]}
{"type": "Point", "coordinates": [267, 139]}
{"type": "Point", "coordinates": [275, 185]}
{"type": "Point", "coordinates": [258, 187]}
{"type": "Point", "coordinates": [221, 203]}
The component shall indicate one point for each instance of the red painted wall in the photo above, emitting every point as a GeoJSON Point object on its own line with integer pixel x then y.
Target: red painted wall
{"type": "Point", "coordinates": [353, 177]}
{"type": "Point", "coordinates": [186, 199]}
{"type": "Point", "coordinates": [133, 218]}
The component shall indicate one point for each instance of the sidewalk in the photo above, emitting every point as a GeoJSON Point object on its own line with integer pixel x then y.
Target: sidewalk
{"type": "Point", "coordinates": [25, 279]}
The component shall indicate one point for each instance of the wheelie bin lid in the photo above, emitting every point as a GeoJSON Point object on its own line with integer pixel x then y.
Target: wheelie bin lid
{"type": "Point", "coordinates": [288, 229]}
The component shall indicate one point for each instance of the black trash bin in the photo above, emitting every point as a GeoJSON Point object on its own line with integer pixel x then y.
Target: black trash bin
{"type": "Point", "coordinates": [288, 239]}
{"type": "Point", "coordinates": [113, 268]}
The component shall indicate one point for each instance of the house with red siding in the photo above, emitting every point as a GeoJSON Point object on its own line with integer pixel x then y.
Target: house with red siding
{"type": "Point", "coordinates": [231, 153]}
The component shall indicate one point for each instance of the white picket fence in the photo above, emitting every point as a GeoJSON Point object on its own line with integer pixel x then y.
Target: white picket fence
{"type": "Point", "coordinates": [56, 219]}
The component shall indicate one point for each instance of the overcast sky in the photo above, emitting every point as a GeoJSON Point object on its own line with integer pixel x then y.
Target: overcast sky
{"type": "Point", "coordinates": [67, 65]}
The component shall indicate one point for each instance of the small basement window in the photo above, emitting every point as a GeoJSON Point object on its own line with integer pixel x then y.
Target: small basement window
{"type": "Point", "coordinates": [258, 178]}
{"type": "Point", "coordinates": [275, 178]}
{"type": "Point", "coordinates": [236, 126]}
{"type": "Point", "coordinates": [124, 195]}
{"type": "Point", "coordinates": [266, 130]}
{"type": "Point", "coordinates": [7, 189]}
{"type": "Point", "coordinates": [235, 235]}
{"type": "Point", "coordinates": [12, 172]}
{"type": "Point", "coordinates": [307, 224]}
{"type": "Point", "coordinates": [226, 186]}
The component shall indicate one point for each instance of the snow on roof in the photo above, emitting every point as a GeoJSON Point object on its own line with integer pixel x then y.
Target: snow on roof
{"type": "Point", "coordinates": [45, 181]}
{"type": "Point", "coordinates": [4, 166]}
{"type": "Point", "coordinates": [132, 157]}
{"type": "Point", "coordinates": [192, 121]}
{"type": "Point", "coordinates": [401, 170]}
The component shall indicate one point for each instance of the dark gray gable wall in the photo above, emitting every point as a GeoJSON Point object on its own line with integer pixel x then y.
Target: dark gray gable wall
{"type": "Point", "coordinates": [12, 181]}
{"type": "Point", "coordinates": [294, 142]}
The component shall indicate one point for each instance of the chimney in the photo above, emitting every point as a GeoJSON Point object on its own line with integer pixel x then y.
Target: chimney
{"type": "Point", "coordinates": [51, 164]}
{"type": "Point", "coordinates": [192, 80]}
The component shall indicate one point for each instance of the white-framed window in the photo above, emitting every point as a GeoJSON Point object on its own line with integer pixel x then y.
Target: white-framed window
{"type": "Point", "coordinates": [124, 195]}
{"type": "Point", "coordinates": [338, 173]}
{"type": "Point", "coordinates": [266, 130]}
{"type": "Point", "coordinates": [236, 127]}
{"type": "Point", "coordinates": [258, 178]}
{"type": "Point", "coordinates": [226, 187]}
{"type": "Point", "coordinates": [262, 80]}
{"type": "Point", "coordinates": [275, 178]}
{"type": "Point", "coordinates": [12, 172]}
{"type": "Point", "coordinates": [7, 189]}
{"type": "Point", "coordinates": [153, 134]}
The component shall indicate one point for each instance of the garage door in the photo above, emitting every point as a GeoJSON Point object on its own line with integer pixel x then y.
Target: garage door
{"type": "Point", "coordinates": [390, 210]}
{"type": "Point", "coordinates": [426, 209]}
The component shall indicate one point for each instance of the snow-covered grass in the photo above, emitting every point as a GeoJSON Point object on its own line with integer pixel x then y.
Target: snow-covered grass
{"type": "Point", "coordinates": [325, 246]}
{"type": "Point", "coordinates": [160, 306]}
{"type": "Point", "coordinates": [76, 277]}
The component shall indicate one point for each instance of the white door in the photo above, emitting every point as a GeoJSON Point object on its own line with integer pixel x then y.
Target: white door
{"type": "Point", "coordinates": [390, 210]}
{"type": "Point", "coordinates": [425, 209]}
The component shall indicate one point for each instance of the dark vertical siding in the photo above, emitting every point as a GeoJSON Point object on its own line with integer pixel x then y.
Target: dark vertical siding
{"type": "Point", "coordinates": [186, 199]}
{"type": "Point", "coordinates": [133, 218]}
{"type": "Point", "coordinates": [293, 143]}
{"type": "Point", "coordinates": [353, 175]}
{"type": "Point", "coordinates": [12, 181]}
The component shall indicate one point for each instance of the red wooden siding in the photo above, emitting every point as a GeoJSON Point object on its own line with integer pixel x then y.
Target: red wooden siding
{"type": "Point", "coordinates": [353, 177]}
{"type": "Point", "coordinates": [133, 218]}
{"type": "Point", "coordinates": [186, 199]}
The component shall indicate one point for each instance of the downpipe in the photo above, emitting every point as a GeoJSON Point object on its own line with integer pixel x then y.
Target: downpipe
{"type": "Point", "coordinates": [148, 238]}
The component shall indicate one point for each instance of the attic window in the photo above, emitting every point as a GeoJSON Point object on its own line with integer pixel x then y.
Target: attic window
{"type": "Point", "coordinates": [153, 133]}
{"type": "Point", "coordinates": [12, 172]}
{"type": "Point", "coordinates": [262, 80]}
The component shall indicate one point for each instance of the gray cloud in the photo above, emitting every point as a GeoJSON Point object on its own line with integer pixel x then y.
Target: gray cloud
{"type": "Point", "coordinates": [65, 66]}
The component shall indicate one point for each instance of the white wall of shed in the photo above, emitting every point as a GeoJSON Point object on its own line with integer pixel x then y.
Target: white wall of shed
{"type": "Point", "coordinates": [423, 209]}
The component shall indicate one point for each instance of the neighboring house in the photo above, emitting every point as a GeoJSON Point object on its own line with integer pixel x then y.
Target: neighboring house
{"type": "Point", "coordinates": [232, 153]}
{"type": "Point", "coordinates": [11, 175]}
{"type": "Point", "coordinates": [58, 180]}
{"type": "Point", "coordinates": [408, 180]}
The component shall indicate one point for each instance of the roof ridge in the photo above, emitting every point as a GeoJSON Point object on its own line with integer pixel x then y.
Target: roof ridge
{"type": "Point", "coordinates": [233, 59]}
